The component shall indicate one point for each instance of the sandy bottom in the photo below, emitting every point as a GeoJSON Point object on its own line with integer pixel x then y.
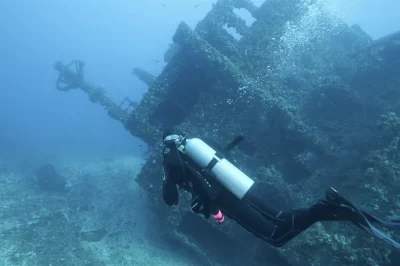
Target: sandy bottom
{"type": "Point", "coordinates": [102, 219]}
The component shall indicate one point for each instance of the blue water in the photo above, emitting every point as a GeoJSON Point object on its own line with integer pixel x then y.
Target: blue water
{"type": "Point", "coordinates": [38, 123]}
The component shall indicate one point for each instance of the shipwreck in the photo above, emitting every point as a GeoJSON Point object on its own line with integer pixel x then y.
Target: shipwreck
{"type": "Point", "coordinates": [315, 98]}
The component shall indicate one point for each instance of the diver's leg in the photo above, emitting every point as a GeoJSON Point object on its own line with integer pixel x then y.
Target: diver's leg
{"type": "Point", "coordinates": [336, 208]}
{"type": "Point", "coordinates": [261, 205]}
{"type": "Point", "coordinates": [332, 208]}
{"type": "Point", "coordinates": [288, 224]}
{"type": "Point", "coordinates": [275, 231]}
{"type": "Point", "coordinates": [276, 215]}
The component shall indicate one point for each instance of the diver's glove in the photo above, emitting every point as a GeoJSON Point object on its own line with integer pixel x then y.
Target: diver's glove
{"type": "Point", "coordinates": [199, 206]}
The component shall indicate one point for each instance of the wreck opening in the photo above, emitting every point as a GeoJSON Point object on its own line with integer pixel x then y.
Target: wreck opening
{"type": "Point", "coordinates": [245, 15]}
{"type": "Point", "coordinates": [233, 32]}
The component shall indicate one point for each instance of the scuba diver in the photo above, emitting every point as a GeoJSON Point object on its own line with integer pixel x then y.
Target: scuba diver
{"type": "Point", "coordinates": [220, 189]}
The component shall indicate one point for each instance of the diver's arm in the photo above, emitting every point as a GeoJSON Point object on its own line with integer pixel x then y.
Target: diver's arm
{"type": "Point", "coordinates": [170, 191]}
{"type": "Point", "coordinates": [169, 187]}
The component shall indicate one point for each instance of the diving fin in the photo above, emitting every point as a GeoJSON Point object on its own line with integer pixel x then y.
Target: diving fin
{"type": "Point", "coordinates": [360, 218]}
{"type": "Point", "coordinates": [392, 222]}
{"type": "Point", "coordinates": [381, 235]}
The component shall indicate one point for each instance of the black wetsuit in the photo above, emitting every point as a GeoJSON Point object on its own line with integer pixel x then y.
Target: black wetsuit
{"type": "Point", "coordinates": [274, 226]}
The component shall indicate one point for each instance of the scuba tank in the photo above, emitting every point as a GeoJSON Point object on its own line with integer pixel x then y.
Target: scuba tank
{"type": "Point", "coordinates": [228, 175]}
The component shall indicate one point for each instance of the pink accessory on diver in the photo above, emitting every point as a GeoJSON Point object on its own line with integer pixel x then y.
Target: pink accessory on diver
{"type": "Point", "coordinates": [219, 217]}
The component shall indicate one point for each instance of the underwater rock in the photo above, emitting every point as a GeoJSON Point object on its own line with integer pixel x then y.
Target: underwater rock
{"type": "Point", "coordinates": [94, 235]}
{"type": "Point", "coordinates": [48, 179]}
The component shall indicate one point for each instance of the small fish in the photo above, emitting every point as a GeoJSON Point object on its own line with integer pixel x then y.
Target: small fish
{"type": "Point", "coordinates": [196, 5]}
{"type": "Point", "coordinates": [396, 42]}
{"type": "Point", "coordinates": [156, 61]}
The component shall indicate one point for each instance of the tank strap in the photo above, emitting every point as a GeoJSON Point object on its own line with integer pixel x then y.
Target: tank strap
{"type": "Point", "coordinates": [216, 158]}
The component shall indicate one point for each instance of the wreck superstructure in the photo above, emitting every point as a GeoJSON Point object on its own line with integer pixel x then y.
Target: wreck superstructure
{"type": "Point", "coordinates": [317, 108]}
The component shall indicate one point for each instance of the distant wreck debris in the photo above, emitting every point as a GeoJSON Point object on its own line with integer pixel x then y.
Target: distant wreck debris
{"type": "Point", "coordinates": [127, 105]}
{"type": "Point", "coordinates": [48, 179]}
{"type": "Point", "coordinates": [306, 90]}
{"type": "Point", "coordinates": [70, 80]}
{"type": "Point", "coordinates": [71, 76]}
{"type": "Point", "coordinates": [144, 76]}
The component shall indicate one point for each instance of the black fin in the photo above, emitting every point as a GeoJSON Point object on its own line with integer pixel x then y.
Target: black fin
{"type": "Point", "coordinates": [381, 235]}
{"type": "Point", "coordinates": [344, 209]}
{"type": "Point", "coordinates": [392, 222]}
{"type": "Point", "coordinates": [332, 197]}
{"type": "Point", "coordinates": [360, 218]}
{"type": "Point", "coordinates": [394, 219]}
